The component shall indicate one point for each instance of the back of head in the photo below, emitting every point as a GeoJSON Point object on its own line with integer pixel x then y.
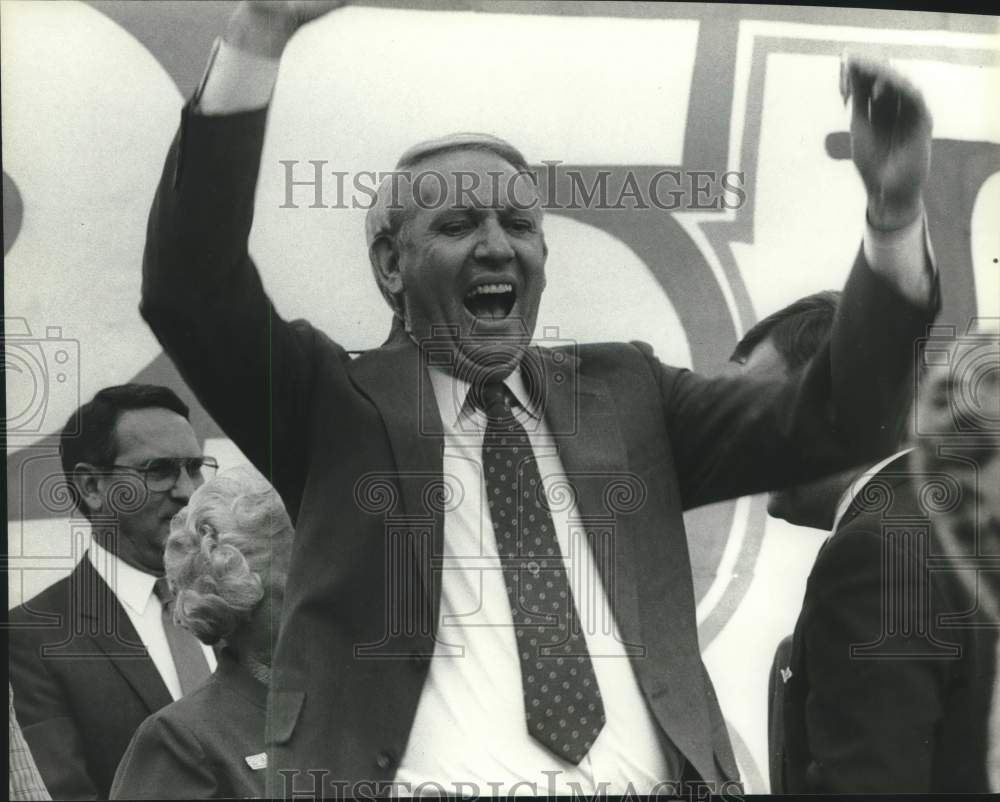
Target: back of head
{"type": "Point", "coordinates": [796, 331]}
{"type": "Point", "coordinates": [89, 434]}
{"type": "Point", "coordinates": [796, 334]}
{"type": "Point", "coordinates": [226, 548]}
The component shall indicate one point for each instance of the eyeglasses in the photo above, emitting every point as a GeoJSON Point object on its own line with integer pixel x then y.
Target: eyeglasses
{"type": "Point", "coordinates": [162, 474]}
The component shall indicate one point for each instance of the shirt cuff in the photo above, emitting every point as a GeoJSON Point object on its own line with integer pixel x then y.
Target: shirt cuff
{"type": "Point", "coordinates": [235, 81]}
{"type": "Point", "coordinates": [904, 258]}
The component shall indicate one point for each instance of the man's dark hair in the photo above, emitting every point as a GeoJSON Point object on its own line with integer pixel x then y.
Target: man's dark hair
{"type": "Point", "coordinates": [797, 331]}
{"type": "Point", "coordinates": [96, 420]}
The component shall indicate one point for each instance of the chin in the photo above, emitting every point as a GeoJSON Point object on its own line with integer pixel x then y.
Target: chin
{"type": "Point", "coordinates": [784, 506]}
{"type": "Point", "coordinates": [777, 507]}
{"type": "Point", "coordinates": [484, 358]}
{"type": "Point", "coordinates": [475, 370]}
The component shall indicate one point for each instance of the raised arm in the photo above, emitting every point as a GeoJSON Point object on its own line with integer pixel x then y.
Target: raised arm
{"type": "Point", "coordinates": [736, 436]}
{"type": "Point", "coordinates": [201, 292]}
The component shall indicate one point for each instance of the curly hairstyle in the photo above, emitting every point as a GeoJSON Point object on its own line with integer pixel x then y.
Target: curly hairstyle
{"type": "Point", "coordinates": [226, 547]}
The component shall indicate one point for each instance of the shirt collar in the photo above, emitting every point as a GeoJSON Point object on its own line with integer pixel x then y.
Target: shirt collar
{"type": "Point", "coordinates": [131, 586]}
{"type": "Point", "coordinates": [451, 394]}
{"type": "Point", "coordinates": [856, 486]}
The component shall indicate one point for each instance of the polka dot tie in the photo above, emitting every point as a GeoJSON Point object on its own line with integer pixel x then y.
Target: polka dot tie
{"type": "Point", "coordinates": [562, 701]}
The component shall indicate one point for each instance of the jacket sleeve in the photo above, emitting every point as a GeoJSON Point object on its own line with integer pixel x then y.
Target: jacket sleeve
{"type": "Point", "coordinates": [164, 761]}
{"type": "Point", "coordinates": [870, 717]}
{"type": "Point", "coordinates": [204, 299]}
{"type": "Point", "coordinates": [47, 722]}
{"type": "Point", "coordinates": [735, 435]}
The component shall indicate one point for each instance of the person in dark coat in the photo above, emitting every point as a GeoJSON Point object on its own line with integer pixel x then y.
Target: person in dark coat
{"type": "Point", "coordinates": [886, 684]}
{"type": "Point", "coordinates": [227, 561]}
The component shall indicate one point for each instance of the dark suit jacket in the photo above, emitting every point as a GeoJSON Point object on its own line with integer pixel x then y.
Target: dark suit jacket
{"type": "Point", "coordinates": [892, 669]}
{"type": "Point", "coordinates": [776, 696]}
{"type": "Point", "coordinates": [196, 747]}
{"type": "Point", "coordinates": [83, 682]}
{"type": "Point", "coordinates": [355, 449]}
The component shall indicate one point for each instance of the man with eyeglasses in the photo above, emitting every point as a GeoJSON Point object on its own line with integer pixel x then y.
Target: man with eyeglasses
{"type": "Point", "coordinates": [96, 653]}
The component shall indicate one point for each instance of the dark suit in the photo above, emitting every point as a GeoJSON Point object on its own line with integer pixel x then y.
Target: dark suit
{"type": "Point", "coordinates": [197, 747]}
{"type": "Point", "coordinates": [355, 449]}
{"type": "Point", "coordinates": [83, 682]}
{"type": "Point", "coordinates": [868, 711]}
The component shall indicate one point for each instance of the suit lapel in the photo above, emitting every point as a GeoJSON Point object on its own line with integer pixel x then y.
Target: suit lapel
{"type": "Point", "coordinates": [110, 628]}
{"type": "Point", "coordinates": [581, 416]}
{"type": "Point", "coordinates": [412, 421]}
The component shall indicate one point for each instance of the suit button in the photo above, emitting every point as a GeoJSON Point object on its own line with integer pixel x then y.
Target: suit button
{"type": "Point", "coordinates": [385, 759]}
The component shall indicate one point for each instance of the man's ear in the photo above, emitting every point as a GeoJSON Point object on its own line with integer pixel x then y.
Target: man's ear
{"type": "Point", "coordinates": [384, 257]}
{"type": "Point", "coordinates": [87, 480]}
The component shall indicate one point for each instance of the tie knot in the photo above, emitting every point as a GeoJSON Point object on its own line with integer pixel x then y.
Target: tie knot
{"type": "Point", "coordinates": [161, 589]}
{"type": "Point", "coordinates": [493, 398]}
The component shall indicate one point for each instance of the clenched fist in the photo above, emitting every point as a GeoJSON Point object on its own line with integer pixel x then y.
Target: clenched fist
{"type": "Point", "coordinates": [890, 139]}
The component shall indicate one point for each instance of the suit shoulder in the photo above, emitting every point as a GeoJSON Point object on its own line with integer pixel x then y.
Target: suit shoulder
{"type": "Point", "coordinates": [859, 550]}
{"type": "Point", "coordinates": [211, 718]}
{"type": "Point", "coordinates": [316, 339]}
{"type": "Point", "coordinates": [861, 535]}
{"type": "Point", "coordinates": [635, 356]}
{"type": "Point", "coordinates": [185, 715]}
{"type": "Point", "coordinates": [53, 599]}
{"type": "Point", "coordinates": [608, 350]}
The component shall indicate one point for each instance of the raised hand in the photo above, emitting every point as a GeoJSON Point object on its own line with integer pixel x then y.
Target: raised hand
{"type": "Point", "coordinates": [263, 27]}
{"type": "Point", "coordinates": [890, 139]}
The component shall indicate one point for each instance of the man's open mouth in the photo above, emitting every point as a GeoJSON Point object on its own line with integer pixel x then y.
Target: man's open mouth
{"type": "Point", "coordinates": [491, 301]}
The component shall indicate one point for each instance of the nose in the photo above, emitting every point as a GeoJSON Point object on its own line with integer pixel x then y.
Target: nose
{"type": "Point", "coordinates": [184, 486]}
{"type": "Point", "coordinates": [494, 246]}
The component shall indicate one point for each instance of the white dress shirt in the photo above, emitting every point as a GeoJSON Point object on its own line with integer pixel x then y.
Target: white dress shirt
{"type": "Point", "coordinates": [470, 721]}
{"type": "Point", "coordinates": [134, 589]}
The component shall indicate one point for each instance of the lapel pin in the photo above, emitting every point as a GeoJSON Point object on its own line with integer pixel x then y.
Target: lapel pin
{"type": "Point", "coordinates": [257, 762]}
{"type": "Point", "coordinates": [786, 674]}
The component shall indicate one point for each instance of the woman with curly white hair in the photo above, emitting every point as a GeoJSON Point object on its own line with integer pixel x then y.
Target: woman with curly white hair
{"type": "Point", "coordinates": [226, 561]}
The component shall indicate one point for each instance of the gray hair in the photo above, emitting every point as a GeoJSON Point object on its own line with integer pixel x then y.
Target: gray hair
{"type": "Point", "coordinates": [220, 546]}
{"type": "Point", "coordinates": [385, 219]}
